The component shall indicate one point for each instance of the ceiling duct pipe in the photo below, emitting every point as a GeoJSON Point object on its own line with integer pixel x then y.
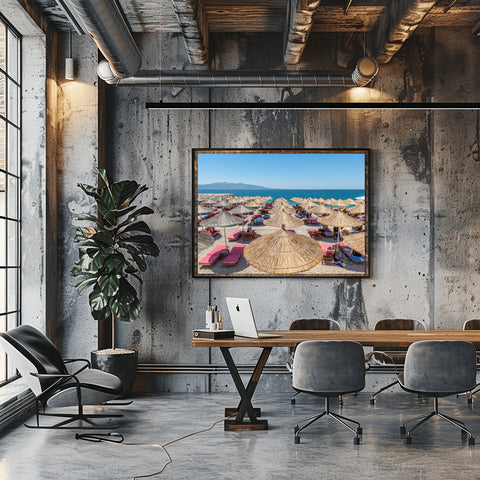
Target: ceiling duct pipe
{"type": "Point", "coordinates": [105, 23]}
{"type": "Point", "coordinates": [203, 78]}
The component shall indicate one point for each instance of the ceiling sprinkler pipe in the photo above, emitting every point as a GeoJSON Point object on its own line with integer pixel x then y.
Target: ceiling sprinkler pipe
{"type": "Point", "coordinates": [225, 79]}
{"type": "Point", "coordinates": [365, 71]}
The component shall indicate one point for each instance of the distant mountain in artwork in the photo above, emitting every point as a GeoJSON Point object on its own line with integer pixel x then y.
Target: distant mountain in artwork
{"type": "Point", "coordinates": [230, 186]}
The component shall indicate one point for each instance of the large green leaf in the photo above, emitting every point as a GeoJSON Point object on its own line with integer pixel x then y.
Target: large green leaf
{"type": "Point", "coordinates": [137, 213]}
{"type": "Point", "coordinates": [82, 285]}
{"type": "Point", "coordinates": [109, 284]}
{"type": "Point", "coordinates": [140, 226]}
{"type": "Point", "coordinates": [115, 213]}
{"type": "Point", "coordinates": [114, 263]}
{"type": "Point", "coordinates": [98, 301]}
{"type": "Point", "coordinates": [91, 218]}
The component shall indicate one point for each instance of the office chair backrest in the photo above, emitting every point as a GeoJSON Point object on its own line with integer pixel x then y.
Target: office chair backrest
{"type": "Point", "coordinates": [472, 324]}
{"type": "Point", "coordinates": [440, 366]}
{"type": "Point", "coordinates": [313, 324]}
{"type": "Point", "coordinates": [398, 324]}
{"type": "Point", "coordinates": [329, 366]}
{"type": "Point", "coordinates": [30, 351]}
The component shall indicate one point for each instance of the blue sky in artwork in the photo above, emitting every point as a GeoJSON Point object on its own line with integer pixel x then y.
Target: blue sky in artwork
{"type": "Point", "coordinates": [284, 170]}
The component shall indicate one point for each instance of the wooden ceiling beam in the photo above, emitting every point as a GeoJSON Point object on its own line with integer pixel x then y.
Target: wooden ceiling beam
{"type": "Point", "coordinates": [193, 24]}
{"type": "Point", "coordinates": [395, 25]}
{"type": "Point", "coordinates": [297, 29]}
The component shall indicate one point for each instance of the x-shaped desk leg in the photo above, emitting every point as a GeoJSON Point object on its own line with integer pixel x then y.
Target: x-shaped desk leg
{"type": "Point", "coordinates": [245, 406]}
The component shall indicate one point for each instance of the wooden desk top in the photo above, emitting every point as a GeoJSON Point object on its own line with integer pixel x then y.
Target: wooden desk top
{"type": "Point", "coordinates": [291, 338]}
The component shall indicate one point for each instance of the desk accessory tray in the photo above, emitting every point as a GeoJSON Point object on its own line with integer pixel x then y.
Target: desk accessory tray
{"type": "Point", "coordinates": [213, 334]}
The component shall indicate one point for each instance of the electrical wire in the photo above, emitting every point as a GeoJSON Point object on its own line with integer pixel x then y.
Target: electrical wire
{"type": "Point", "coordinates": [118, 439]}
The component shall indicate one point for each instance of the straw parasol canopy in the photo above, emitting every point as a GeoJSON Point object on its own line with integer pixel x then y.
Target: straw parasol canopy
{"type": "Point", "coordinates": [221, 203]}
{"type": "Point", "coordinates": [241, 209]}
{"type": "Point", "coordinates": [321, 209]}
{"type": "Point", "coordinates": [356, 242]}
{"type": "Point", "coordinates": [201, 210]}
{"type": "Point", "coordinates": [340, 219]}
{"type": "Point", "coordinates": [309, 204]}
{"type": "Point", "coordinates": [357, 209]}
{"type": "Point", "coordinates": [283, 252]}
{"type": "Point", "coordinates": [204, 240]}
{"type": "Point", "coordinates": [283, 218]}
{"type": "Point", "coordinates": [222, 219]}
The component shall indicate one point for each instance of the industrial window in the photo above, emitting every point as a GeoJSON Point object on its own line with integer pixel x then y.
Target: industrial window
{"type": "Point", "coordinates": [10, 113]}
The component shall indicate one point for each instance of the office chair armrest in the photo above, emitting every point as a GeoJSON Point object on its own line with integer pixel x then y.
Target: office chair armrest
{"type": "Point", "coordinates": [369, 356]}
{"type": "Point", "coordinates": [71, 360]}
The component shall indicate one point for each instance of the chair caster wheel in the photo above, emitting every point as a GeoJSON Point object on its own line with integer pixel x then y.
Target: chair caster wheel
{"type": "Point", "coordinates": [360, 431]}
{"type": "Point", "coordinates": [408, 440]}
{"type": "Point", "coordinates": [403, 430]}
{"type": "Point", "coordinates": [292, 401]}
{"type": "Point", "coordinates": [471, 441]}
{"type": "Point", "coordinates": [356, 441]}
{"type": "Point", "coordinates": [296, 439]}
{"type": "Point", "coordinates": [372, 401]}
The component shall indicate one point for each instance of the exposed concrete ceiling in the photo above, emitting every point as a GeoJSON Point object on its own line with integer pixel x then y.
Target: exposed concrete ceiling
{"type": "Point", "coordinates": [391, 22]}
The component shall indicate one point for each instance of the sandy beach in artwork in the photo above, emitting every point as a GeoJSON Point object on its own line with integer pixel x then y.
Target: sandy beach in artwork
{"type": "Point", "coordinates": [336, 240]}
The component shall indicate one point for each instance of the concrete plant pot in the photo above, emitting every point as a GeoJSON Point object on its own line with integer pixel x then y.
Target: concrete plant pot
{"type": "Point", "coordinates": [119, 362]}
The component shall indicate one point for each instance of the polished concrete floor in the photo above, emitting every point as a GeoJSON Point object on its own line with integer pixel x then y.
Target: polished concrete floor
{"type": "Point", "coordinates": [326, 450]}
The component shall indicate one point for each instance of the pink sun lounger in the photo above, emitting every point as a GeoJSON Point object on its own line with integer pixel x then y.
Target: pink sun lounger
{"type": "Point", "coordinates": [235, 234]}
{"type": "Point", "coordinates": [209, 259]}
{"type": "Point", "coordinates": [234, 256]}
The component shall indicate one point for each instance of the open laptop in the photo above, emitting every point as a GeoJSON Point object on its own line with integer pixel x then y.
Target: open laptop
{"type": "Point", "coordinates": [241, 315]}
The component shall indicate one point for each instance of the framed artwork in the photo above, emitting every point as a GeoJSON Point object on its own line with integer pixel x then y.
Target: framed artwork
{"type": "Point", "coordinates": [280, 213]}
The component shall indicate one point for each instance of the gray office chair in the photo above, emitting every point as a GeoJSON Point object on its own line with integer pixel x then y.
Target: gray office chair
{"type": "Point", "coordinates": [438, 368]}
{"type": "Point", "coordinates": [394, 355]}
{"type": "Point", "coordinates": [328, 369]}
{"type": "Point", "coordinates": [309, 324]}
{"type": "Point", "coordinates": [45, 372]}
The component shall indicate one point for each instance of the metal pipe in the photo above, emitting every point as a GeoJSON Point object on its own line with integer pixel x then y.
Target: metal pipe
{"type": "Point", "coordinates": [109, 30]}
{"type": "Point", "coordinates": [224, 79]}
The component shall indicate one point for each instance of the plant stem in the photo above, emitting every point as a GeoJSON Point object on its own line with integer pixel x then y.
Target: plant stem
{"type": "Point", "coordinates": [113, 331]}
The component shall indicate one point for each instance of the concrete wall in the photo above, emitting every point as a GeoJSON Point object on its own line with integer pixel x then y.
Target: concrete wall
{"type": "Point", "coordinates": [424, 169]}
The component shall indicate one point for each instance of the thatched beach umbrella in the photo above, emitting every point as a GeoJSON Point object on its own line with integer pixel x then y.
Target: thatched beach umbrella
{"type": "Point", "coordinates": [222, 219]}
{"type": "Point", "coordinates": [340, 219]}
{"type": "Point", "coordinates": [201, 210]}
{"type": "Point", "coordinates": [356, 242]}
{"type": "Point", "coordinates": [321, 209]}
{"type": "Point", "coordinates": [283, 252]}
{"type": "Point", "coordinates": [204, 240]}
{"type": "Point", "coordinates": [283, 218]}
{"type": "Point", "coordinates": [309, 204]}
{"type": "Point", "coordinates": [242, 210]}
{"type": "Point", "coordinates": [221, 203]}
{"type": "Point", "coordinates": [357, 209]}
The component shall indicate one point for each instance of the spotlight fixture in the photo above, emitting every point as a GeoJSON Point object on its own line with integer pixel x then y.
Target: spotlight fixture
{"type": "Point", "coordinates": [365, 71]}
{"type": "Point", "coordinates": [69, 71]}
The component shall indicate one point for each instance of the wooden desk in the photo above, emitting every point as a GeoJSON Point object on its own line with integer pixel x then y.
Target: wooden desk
{"type": "Point", "coordinates": [291, 338]}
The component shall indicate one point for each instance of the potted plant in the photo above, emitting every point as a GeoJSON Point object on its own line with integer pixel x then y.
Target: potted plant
{"type": "Point", "coordinates": [112, 254]}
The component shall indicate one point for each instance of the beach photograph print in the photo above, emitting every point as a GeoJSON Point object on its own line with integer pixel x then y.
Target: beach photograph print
{"type": "Point", "coordinates": [280, 213]}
